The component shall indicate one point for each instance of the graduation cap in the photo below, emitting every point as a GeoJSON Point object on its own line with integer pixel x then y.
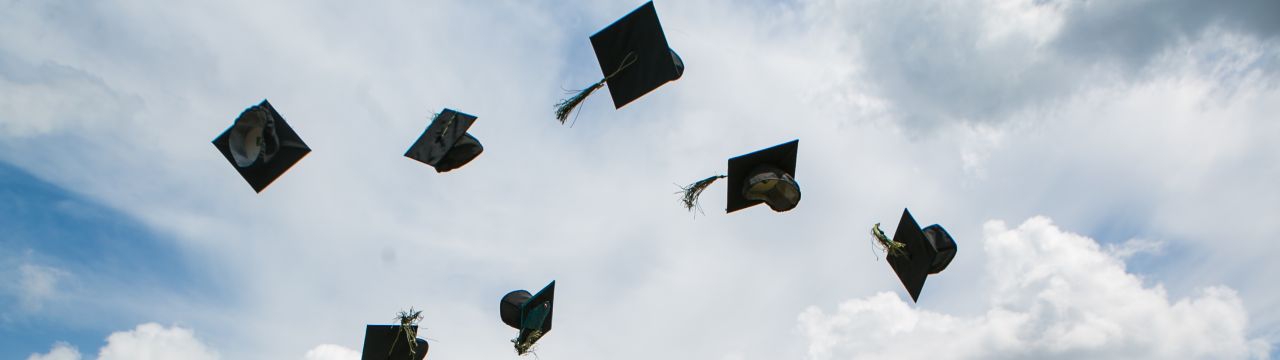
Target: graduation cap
{"type": "Point", "coordinates": [261, 145]}
{"type": "Point", "coordinates": [531, 314]}
{"type": "Point", "coordinates": [915, 253]}
{"type": "Point", "coordinates": [446, 145]}
{"type": "Point", "coordinates": [765, 176]}
{"type": "Point", "coordinates": [634, 58]}
{"type": "Point", "coordinates": [392, 342]}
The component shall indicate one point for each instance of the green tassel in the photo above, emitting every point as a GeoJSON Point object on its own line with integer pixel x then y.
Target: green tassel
{"type": "Point", "coordinates": [890, 247]}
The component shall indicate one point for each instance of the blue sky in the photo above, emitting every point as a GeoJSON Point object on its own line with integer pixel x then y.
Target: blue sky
{"type": "Point", "coordinates": [102, 257]}
{"type": "Point", "coordinates": [1103, 167]}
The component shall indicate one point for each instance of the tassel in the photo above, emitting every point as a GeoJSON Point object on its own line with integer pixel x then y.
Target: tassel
{"type": "Point", "coordinates": [566, 106]}
{"type": "Point", "coordinates": [407, 320]}
{"type": "Point", "coordinates": [443, 133]}
{"type": "Point", "coordinates": [527, 347]}
{"type": "Point", "coordinates": [694, 190]}
{"type": "Point", "coordinates": [890, 247]}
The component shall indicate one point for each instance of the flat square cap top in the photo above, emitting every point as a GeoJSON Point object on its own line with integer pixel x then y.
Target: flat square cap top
{"type": "Point", "coordinates": [914, 268]}
{"type": "Point", "coordinates": [378, 340]}
{"type": "Point", "coordinates": [546, 295]}
{"type": "Point", "coordinates": [637, 42]}
{"type": "Point", "coordinates": [290, 150]}
{"type": "Point", "coordinates": [782, 156]}
{"type": "Point", "coordinates": [444, 132]}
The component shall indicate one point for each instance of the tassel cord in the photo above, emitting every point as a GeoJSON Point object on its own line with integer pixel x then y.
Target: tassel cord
{"type": "Point", "coordinates": [566, 106]}
{"type": "Point", "coordinates": [693, 191]}
{"type": "Point", "coordinates": [890, 247]}
{"type": "Point", "coordinates": [407, 319]}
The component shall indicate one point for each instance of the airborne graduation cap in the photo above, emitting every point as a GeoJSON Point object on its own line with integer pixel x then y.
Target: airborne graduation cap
{"type": "Point", "coordinates": [765, 176]}
{"type": "Point", "coordinates": [446, 145]}
{"type": "Point", "coordinates": [634, 58]}
{"type": "Point", "coordinates": [531, 314]}
{"type": "Point", "coordinates": [915, 253]}
{"type": "Point", "coordinates": [395, 342]}
{"type": "Point", "coordinates": [261, 145]}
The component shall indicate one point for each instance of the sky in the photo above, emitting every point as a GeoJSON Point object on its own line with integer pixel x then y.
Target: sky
{"type": "Point", "coordinates": [1107, 170]}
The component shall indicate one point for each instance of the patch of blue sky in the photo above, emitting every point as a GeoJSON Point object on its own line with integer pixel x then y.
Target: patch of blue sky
{"type": "Point", "coordinates": [102, 264]}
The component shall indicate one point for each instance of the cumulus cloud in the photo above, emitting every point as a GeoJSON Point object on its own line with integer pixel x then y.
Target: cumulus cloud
{"type": "Point", "coordinates": [60, 351]}
{"type": "Point", "coordinates": [332, 352]}
{"type": "Point", "coordinates": [149, 341]}
{"type": "Point", "coordinates": [153, 341]}
{"type": "Point", "coordinates": [1057, 295]}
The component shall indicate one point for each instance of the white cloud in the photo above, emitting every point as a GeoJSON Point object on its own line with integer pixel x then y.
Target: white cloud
{"type": "Point", "coordinates": [1056, 295]}
{"type": "Point", "coordinates": [60, 351]}
{"type": "Point", "coordinates": [148, 341]}
{"type": "Point", "coordinates": [1135, 246]}
{"type": "Point", "coordinates": [332, 352]}
{"type": "Point", "coordinates": [37, 284]}
{"type": "Point", "coordinates": [152, 341]}
{"type": "Point", "coordinates": [51, 97]}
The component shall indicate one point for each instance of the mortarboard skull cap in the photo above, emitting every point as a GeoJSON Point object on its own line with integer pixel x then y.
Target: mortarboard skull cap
{"type": "Point", "coordinates": [531, 314]}
{"type": "Point", "coordinates": [928, 251]}
{"type": "Point", "coordinates": [764, 176]}
{"type": "Point", "coordinates": [388, 342]}
{"type": "Point", "coordinates": [261, 145]}
{"type": "Point", "coordinates": [445, 144]}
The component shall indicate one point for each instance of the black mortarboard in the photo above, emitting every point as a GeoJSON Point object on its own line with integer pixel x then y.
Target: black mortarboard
{"type": "Point", "coordinates": [445, 144]}
{"type": "Point", "coordinates": [531, 314]}
{"type": "Point", "coordinates": [927, 251]}
{"type": "Point", "coordinates": [765, 176]}
{"type": "Point", "coordinates": [388, 342]}
{"type": "Point", "coordinates": [761, 168]}
{"type": "Point", "coordinates": [261, 145]}
{"type": "Point", "coordinates": [634, 58]}
{"type": "Point", "coordinates": [636, 36]}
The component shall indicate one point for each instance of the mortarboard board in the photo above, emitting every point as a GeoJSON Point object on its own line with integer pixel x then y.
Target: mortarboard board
{"type": "Point", "coordinates": [636, 36]}
{"type": "Point", "coordinates": [261, 145]}
{"type": "Point", "coordinates": [531, 314]}
{"type": "Point", "coordinates": [923, 252]}
{"type": "Point", "coordinates": [388, 342]}
{"type": "Point", "coordinates": [446, 145]}
{"type": "Point", "coordinates": [765, 176]}
{"type": "Point", "coordinates": [634, 58]}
